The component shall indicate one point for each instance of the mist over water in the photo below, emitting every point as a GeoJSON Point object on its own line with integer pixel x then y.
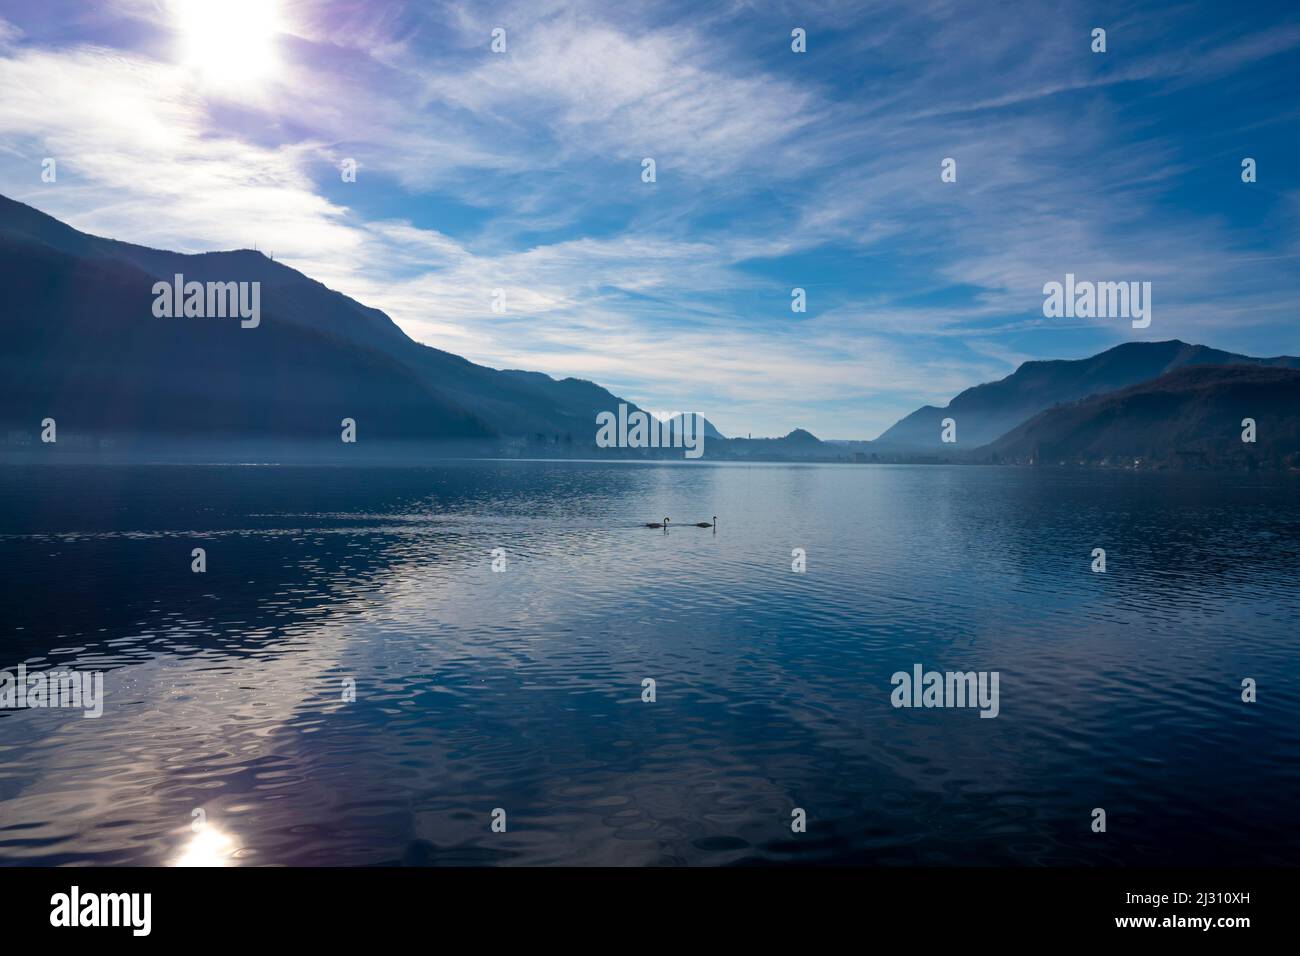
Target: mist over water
{"type": "Point", "coordinates": [522, 689]}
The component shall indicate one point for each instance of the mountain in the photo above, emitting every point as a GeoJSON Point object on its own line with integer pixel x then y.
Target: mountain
{"type": "Point", "coordinates": [711, 433]}
{"type": "Point", "coordinates": [798, 445]}
{"type": "Point", "coordinates": [83, 346]}
{"type": "Point", "coordinates": [986, 412]}
{"type": "Point", "coordinates": [1190, 417]}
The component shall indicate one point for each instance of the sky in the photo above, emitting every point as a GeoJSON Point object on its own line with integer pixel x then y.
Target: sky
{"type": "Point", "coordinates": [178, 127]}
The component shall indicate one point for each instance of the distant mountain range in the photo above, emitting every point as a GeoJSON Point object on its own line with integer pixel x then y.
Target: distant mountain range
{"type": "Point", "coordinates": [83, 346]}
{"type": "Point", "coordinates": [1191, 417]}
{"type": "Point", "coordinates": [986, 412]}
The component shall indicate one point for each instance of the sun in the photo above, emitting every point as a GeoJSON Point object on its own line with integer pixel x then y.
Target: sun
{"type": "Point", "coordinates": [230, 45]}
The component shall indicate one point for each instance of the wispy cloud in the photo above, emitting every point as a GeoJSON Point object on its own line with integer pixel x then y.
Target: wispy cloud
{"type": "Point", "coordinates": [521, 171]}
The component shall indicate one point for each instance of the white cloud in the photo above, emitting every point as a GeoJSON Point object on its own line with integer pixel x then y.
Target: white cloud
{"type": "Point", "coordinates": [138, 160]}
{"type": "Point", "coordinates": [8, 33]}
{"type": "Point", "coordinates": [661, 93]}
{"type": "Point", "coordinates": [651, 290]}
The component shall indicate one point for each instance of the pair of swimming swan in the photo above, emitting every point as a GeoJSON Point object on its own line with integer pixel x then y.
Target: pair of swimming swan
{"type": "Point", "coordinates": [698, 524]}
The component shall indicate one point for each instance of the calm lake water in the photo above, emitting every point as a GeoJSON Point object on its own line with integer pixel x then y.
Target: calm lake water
{"type": "Point", "coordinates": [521, 690]}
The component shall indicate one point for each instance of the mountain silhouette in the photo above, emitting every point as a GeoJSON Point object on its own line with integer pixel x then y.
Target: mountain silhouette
{"type": "Point", "coordinates": [1190, 417]}
{"type": "Point", "coordinates": [986, 412]}
{"type": "Point", "coordinates": [84, 347]}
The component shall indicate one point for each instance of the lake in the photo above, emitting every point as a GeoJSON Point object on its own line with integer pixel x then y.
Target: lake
{"type": "Point", "coordinates": [350, 681]}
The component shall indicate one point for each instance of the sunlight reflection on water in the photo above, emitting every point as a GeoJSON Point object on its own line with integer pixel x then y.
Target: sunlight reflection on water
{"type": "Point", "coordinates": [522, 689]}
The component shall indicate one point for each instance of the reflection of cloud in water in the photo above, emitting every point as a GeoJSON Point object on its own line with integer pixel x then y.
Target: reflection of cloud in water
{"type": "Point", "coordinates": [521, 689]}
{"type": "Point", "coordinates": [177, 733]}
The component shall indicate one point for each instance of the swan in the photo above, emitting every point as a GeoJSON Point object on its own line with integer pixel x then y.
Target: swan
{"type": "Point", "coordinates": [657, 524]}
{"type": "Point", "coordinates": [705, 524]}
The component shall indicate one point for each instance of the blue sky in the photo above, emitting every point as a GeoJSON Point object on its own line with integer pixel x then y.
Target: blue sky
{"type": "Point", "coordinates": [521, 171]}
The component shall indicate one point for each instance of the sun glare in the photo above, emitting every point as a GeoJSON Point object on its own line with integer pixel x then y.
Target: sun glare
{"type": "Point", "coordinates": [208, 847]}
{"type": "Point", "coordinates": [229, 44]}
